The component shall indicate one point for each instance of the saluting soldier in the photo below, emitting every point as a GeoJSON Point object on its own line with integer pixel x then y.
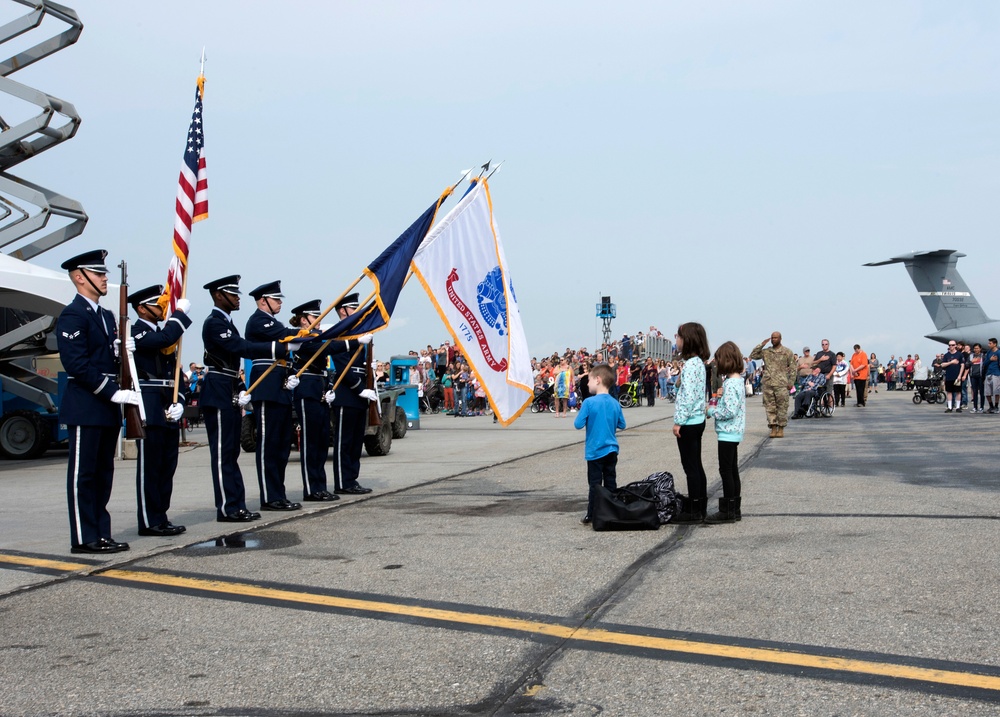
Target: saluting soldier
{"type": "Point", "coordinates": [350, 406]}
{"type": "Point", "coordinates": [776, 382]}
{"type": "Point", "coordinates": [313, 397]}
{"type": "Point", "coordinates": [272, 400]}
{"type": "Point", "coordinates": [91, 405]}
{"type": "Point", "coordinates": [157, 452]}
{"type": "Point", "coordinates": [223, 396]}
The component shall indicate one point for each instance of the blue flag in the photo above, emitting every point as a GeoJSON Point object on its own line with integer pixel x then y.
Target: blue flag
{"type": "Point", "coordinates": [388, 274]}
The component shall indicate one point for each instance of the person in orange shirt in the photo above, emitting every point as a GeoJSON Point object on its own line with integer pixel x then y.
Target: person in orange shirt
{"type": "Point", "coordinates": [859, 370]}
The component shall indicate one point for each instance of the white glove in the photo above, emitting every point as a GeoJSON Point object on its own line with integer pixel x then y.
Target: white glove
{"type": "Point", "coordinates": [370, 394]}
{"type": "Point", "coordinates": [366, 339]}
{"type": "Point", "coordinates": [244, 399]}
{"type": "Point", "coordinates": [130, 344]}
{"type": "Point", "coordinates": [329, 396]}
{"type": "Point", "coordinates": [174, 412]}
{"type": "Point", "coordinates": [118, 347]}
{"type": "Point", "coordinates": [325, 327]}
{"type": "Point", "coordinates": [291, 382]}
{"type": "Point", "coordinates": [129, 397]}
{"type": "Point", "coordinates": [184, 305]}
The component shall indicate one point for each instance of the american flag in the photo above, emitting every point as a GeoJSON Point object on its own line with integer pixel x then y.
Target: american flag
{"type": "Point", "coordinates": [192, 197]}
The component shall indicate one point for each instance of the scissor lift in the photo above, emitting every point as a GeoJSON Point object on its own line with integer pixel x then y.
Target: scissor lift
{"type": "Point", "coordinates": [31, 122]}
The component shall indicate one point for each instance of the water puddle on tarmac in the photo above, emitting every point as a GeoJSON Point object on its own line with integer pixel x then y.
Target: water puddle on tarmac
{"type": "Point", "coordinates": [261, 540]}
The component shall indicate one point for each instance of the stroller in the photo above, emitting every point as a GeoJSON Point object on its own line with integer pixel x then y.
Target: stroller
{"type": "Point", "coordinates": [544, 398]}
{"type": "Point", "coordinates": [432, 398]}
{"type": "Point", "coordinates": [630, 394]}
{"type": "Point", "coordinates": [929, 390]}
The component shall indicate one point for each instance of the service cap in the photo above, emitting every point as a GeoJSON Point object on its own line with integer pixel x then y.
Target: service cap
{"type": "Point", "coordinates": [91, 261]}
{"type": "Point", "coordinates": [227, 284]}
{"type": "Point", "coordinates": [312, 308]}
{"type": "Point", "coordinates": [149, 295]}
{"type": "Point", "coordinates": [271, 290]}
{"type": "Point", "coordinates": [348, 302]}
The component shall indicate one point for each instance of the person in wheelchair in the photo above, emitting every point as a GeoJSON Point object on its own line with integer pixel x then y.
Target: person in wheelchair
{"type": "Point", "coordinates": [813, 386]}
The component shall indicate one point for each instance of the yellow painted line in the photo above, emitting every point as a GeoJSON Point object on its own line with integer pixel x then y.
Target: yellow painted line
{"type": "Point", "coordinates": [751, 654]}
{"type": "Point", "coordinates": [43, 563]}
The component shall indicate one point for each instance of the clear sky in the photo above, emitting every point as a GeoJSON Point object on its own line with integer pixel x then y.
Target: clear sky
{"type": "Point", "coordinates": [731, 163]}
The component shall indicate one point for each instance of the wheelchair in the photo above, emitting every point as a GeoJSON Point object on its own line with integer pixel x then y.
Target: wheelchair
{"type": "Point", "coordinates": [822, 404]}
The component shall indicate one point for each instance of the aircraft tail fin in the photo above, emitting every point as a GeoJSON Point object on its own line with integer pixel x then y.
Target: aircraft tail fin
{"type": "Point", "coordinates": [945, 294]}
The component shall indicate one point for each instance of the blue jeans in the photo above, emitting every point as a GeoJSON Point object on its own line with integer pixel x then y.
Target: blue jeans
{"type": "Point", "coordinates": [663, 387]}
{"type": "Point", "coordinates": [977, 391]}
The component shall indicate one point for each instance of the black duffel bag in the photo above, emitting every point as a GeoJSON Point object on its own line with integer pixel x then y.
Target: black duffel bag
{"type": "Point", "coordinates": [632, 507]}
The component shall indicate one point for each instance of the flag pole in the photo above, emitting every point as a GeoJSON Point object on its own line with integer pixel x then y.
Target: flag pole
{"type": "Point", "coordinates": [177, 353]}
{"type": "Point", "coordinates": [326, 343]}
{"type": "Point", "coordinates": [349, 364]}
{"type": "Point", "coordinates": [184, 282]}
{"type": "Point", "coordinates": [494, 170]}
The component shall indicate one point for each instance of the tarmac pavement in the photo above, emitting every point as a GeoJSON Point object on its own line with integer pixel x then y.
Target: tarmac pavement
{"type": "Point", "coordinates": [862, 580]}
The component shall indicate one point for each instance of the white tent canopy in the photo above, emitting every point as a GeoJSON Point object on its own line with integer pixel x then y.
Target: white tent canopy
{"type": "Point", "coordinates": [33, 288]}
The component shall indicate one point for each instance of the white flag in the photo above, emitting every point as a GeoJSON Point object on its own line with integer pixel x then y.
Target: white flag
{"type": "Point", "coordinates": [462, 266]}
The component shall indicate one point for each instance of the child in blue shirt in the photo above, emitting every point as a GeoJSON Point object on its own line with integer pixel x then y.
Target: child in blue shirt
{"type": "Point", "coordinates": [601, 415]}
{"type": "Point", "coordinates": [729, 412]}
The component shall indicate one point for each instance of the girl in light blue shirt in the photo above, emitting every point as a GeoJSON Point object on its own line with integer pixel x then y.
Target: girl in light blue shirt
{"type": "Point", "coordinates": [729, 411]}
{"type": "Point", "coordinates": [689, 419]}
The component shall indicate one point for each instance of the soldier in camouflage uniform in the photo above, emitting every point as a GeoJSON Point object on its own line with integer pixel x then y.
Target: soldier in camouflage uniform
{"type": "Point", "coordinates": [776, 382]}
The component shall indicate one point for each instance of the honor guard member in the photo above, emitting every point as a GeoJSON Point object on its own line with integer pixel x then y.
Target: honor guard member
{"type": "Point", "coordinates": [157, 452]}
{"type": "Point", "coordinates": [223, 396]}
{"type": "Point", "coordinates": [91, 405]}
{"type": "Point", "coordinates": [313, 397]}
{"type": "Point", "coordinates": [272, 400]}
{"type": "Point", "coordinates": [350, 407]}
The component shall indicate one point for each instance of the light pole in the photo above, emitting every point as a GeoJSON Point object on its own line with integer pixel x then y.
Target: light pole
{"type": "Point", "coordinates": [606, 312]}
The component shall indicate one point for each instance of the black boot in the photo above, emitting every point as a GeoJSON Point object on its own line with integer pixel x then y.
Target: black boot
{"type": "Point", "coordinates": [692, 511]}
{"type": "Point", "coordinates": [729, 511]}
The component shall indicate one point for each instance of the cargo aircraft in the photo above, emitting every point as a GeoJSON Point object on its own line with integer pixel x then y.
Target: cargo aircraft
{"type": "Point", "coordinates": [954, 310]}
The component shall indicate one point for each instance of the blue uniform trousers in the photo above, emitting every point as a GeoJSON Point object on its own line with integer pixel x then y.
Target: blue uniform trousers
{"type": "Point", "coordinates": [223, 426]}
{"type": "Point", "coordinates": [314, 417]}
{"type": "Point", "coordinates": [274, 444]}
{"type": "Point", "coordinates": [154, 474]}
{"type": "Point", "coordinates": [348, 428]}
{"type": "Point", "coordinates": [89, 477]}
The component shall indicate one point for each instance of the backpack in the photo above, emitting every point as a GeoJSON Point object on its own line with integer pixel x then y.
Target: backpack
{"type": "Point", "coordinates": [668, 503]}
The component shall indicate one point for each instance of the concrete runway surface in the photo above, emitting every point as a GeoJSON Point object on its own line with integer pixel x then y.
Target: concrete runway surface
{"type": "Point", "coordinates": [862, 580]}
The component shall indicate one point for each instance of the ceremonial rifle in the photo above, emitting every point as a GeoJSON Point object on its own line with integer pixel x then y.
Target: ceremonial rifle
{"type": "Point", "coordinates": [134, 418]}
{"type": "Point", "coordinates": [374, 407]}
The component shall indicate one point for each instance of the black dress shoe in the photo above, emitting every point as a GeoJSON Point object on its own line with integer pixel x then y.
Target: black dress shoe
{"type": "Point", "coordinates": [164, 530]}
{"type": "Point", "coordinates": [100, 546]}
{"type": "Point", "coordinates": [240, 516]}
{"type": "Point", "coordinates": [321, 495]}
{"type": "Point", "coordinates": [280, 505]}
{"type": "Point", "coordinates": [353, 490]}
